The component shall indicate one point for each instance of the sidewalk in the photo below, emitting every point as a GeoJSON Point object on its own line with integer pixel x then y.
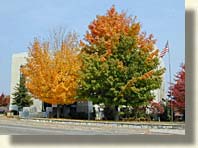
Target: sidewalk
{"type": "Point", "coordinates": [150, 125]}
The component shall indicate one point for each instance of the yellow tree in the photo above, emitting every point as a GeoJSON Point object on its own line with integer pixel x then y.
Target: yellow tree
{"type": "Point", "coordinates": [52, 75]}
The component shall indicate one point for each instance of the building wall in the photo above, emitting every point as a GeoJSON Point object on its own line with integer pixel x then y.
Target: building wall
{"type": "Point", "coordinates": [18, 60]}
{"type": "Point", "coordinates": [160, 93]}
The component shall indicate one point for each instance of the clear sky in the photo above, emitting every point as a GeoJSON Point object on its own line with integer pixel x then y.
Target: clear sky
{"type": "Point", "coordinates": [23, 20]}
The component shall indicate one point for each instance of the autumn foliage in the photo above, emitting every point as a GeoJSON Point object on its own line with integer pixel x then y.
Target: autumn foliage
{"type": "Point", "coordinates": [157, 108]}
{"type": "Point", "coordinates": [120, 63]}
{"type": "Point", "coordinates": [110, 27]}
{"type": "Point", "coordinates": [4, 100]}
{"type": "Point", "coordinates": [106, 31]}
{"type": "Point", "coordinates": [52, 75]}
{"type": "Point", "coordinates": [178, 91]}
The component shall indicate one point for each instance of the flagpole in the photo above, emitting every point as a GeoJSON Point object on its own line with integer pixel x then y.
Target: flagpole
{"type": "Point", "coordinates": [170, 81]}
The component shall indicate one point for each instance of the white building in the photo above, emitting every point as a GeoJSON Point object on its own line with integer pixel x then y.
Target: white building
{"type": "Point", "coordinates": [18, 60]}
{"type": "Point", "coordinates": [160, 93]}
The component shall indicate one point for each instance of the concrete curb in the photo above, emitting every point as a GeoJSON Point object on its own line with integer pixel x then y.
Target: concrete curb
{"type": "Point", "coordinates": [148, 125]}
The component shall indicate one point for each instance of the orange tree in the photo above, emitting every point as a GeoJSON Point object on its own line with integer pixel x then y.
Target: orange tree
{"type": "Point", "coordinates": [51, 76]}
{"type": "Point", "coordinates": [120, 63]}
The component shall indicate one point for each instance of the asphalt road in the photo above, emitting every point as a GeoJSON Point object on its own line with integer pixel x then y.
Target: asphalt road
{"type": "Point", "coordinates": [21, 127]}
{"type": "Point", "coordinates": [26, 130]}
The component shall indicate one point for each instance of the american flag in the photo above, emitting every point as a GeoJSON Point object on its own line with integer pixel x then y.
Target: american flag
{"type": "Point", "coordinates": [165, 50]}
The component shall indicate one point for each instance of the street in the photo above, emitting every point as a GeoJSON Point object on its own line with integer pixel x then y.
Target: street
{"type": "Point", "coordinates": [13, 126]}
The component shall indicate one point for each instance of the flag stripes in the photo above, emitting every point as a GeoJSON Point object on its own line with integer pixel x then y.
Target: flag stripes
{"type": "Point", "coordinates": [165, 50]}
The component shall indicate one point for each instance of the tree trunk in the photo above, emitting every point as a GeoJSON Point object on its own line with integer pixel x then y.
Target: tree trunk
{"type": "Point", "coordinates": [66, 111]}
{"type": "Point", "coordinates": [116, 113]}
{"type": "Point", "coordinates": [58, 111]}
{"type": "Point", "coordinates": [111, 112]}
